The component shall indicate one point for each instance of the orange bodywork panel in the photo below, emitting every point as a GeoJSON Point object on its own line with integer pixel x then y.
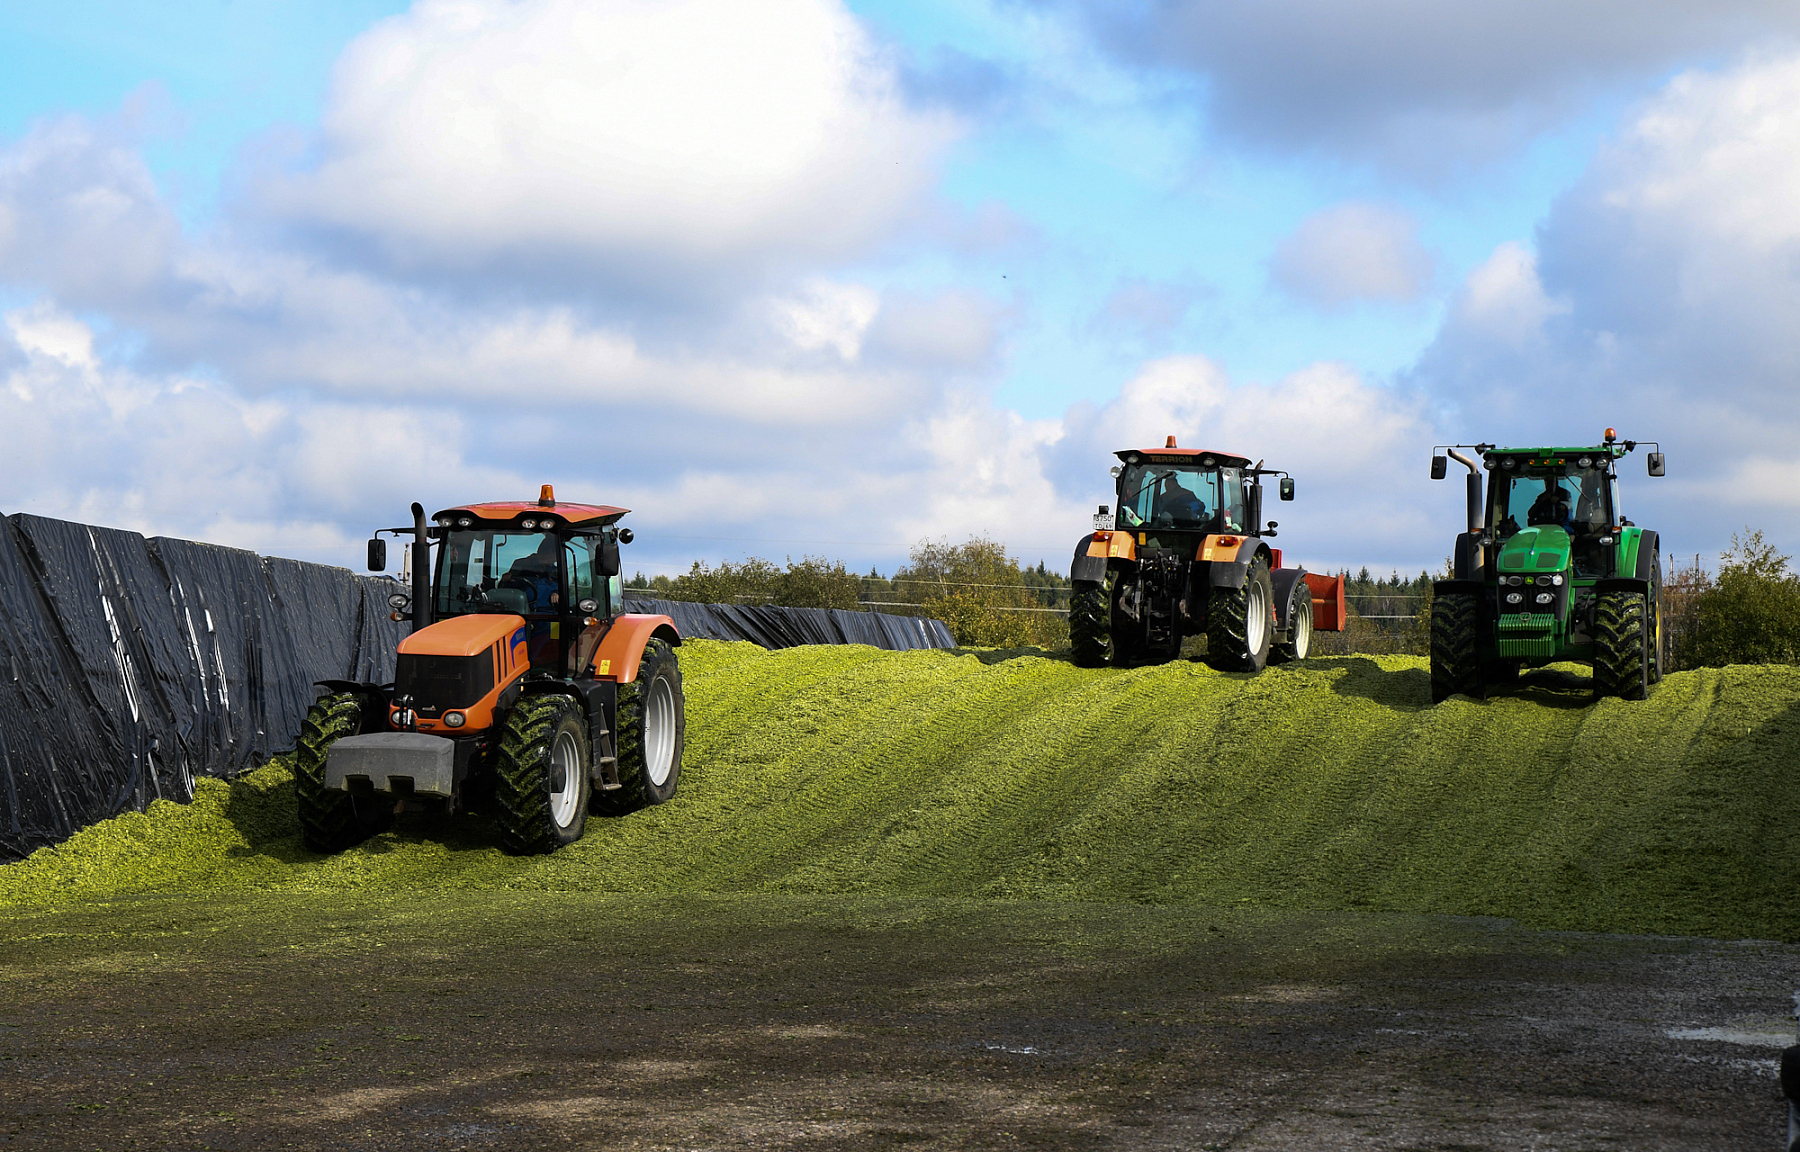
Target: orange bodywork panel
{"type": "Point", "coordinates": [462, 635]}
{"type": "Point", "coordinates": [1227, 547]}
{"type": "Point", "coordinates": [1113, 546]}
{"type": "Point", "coordinates": [614, 650]}
{"type": "Point", "coordinates": [501, 638]}
{"type": "Point", "coordinates": [1328, 602]}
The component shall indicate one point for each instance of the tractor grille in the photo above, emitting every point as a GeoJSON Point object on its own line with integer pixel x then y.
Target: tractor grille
{"type": "Point", "coordinates": [439, 682]}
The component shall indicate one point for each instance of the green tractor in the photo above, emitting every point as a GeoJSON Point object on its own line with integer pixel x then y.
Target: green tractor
{"type": "Point", "coordinates": [1549, 570]}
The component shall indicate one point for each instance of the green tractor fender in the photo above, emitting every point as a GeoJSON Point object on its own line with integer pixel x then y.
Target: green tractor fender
{"type": "Point", "coordinates": [1636, 555]}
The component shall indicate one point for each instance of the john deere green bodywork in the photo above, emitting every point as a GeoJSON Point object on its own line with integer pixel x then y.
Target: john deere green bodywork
{"type": "Point", "coordinates": [1549, 570]}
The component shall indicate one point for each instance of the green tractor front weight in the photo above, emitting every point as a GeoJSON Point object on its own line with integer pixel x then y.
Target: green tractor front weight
{"type": "Point", "coordinates": [1549, 570]}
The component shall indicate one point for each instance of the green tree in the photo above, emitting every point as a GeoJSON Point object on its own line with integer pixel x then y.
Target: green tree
{"type": "Point", "coordinates": [970, 587]}
{"type": "Point", "coordinates": [1749, 615]}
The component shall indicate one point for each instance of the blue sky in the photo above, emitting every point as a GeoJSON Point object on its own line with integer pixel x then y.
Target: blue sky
{"type": "Point", "coordinates": [839, 278]}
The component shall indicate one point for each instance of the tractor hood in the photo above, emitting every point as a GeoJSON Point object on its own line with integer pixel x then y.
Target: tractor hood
{"type": "Point", "coordinates": [1541, 549]}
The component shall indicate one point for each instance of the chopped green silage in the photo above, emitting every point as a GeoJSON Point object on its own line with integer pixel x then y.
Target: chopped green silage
{"type": "Point", "coordinates": [1331, 784]}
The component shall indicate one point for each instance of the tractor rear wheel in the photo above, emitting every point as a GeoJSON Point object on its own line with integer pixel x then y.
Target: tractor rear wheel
{"type": "Point", "coordinates": [541, 784]}
{"type": "Point", "coordinates": [331, 819]}
{"type": "Point", "coordinates": [1621, 655]}
{"type": "Point", "coordinates": [1300, 629]}
{"type": "Point", "coordinates": [1240, 621]}
{"type": "Point", "coordinates": [651, 731]}
{"type": "Point", "coordinates": [1089, 613]}
{"type": "Point", "coordinates": [1455, 646]}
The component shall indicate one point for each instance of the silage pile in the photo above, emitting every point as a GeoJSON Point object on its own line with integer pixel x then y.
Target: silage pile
{"type": "Point", "coordinates": [1331, 784]}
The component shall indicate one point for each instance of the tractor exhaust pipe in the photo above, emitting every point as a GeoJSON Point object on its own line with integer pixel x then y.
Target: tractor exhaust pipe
{"type": "Point", "coordinates": [421, 571]}
{"type": "Point", "coordinates": [1477, 506]}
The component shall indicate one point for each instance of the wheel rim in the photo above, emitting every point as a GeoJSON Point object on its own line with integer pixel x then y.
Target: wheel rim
{"type": "Point", "coordinates": [1256, 623]}
{"type": "Point", "coordinates": [565, 765]}
{"type": "Point", "coordinates": [659, 732]}
{"type": "Point", "coordinates": [1303, 632]}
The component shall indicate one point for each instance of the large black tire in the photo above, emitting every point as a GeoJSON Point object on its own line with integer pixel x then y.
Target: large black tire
{"type": "Point", "coordinates": [1300, 627]}
{"type": "Point", "coordinates": [1455, 646]}
{"type": "Point", "coordinates": [1621, 654]}
{"type": "Point", "coordinates": [1089, 617]}
{"type": "Point", "coordinates": [331, 819]}
{"type": "Point", "coordinates": [1241, 621]}
{"type": "Point", "coordinates": [541, 785]}
{"type": "Point", "coordinates": [651, 731]}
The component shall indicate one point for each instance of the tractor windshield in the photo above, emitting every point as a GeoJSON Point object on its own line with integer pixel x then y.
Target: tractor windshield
{"type": "Point", "coordinates": [1574, 498]}
{"type": "Point", "coordinates": [1181, 497]}
{"type": "Point", "coordinates": [506, 570]}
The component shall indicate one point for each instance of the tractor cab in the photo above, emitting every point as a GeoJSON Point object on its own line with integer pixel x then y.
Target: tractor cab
{"type": "Point", "coordinates": [1569, 497]}
{"type": "Point", "coordinates": [555, 565]}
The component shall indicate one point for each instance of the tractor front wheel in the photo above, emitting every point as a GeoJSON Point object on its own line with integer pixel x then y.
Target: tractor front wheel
{"type": "Point", "coordinates": [331, 819]}
{"type": "Point", "coordinates": [1621, 655]}
{"type": "Point", "coordinates": [1089, 612]}
{"type": "Point", "coordinates": [541, 784]}
{"type": "Point", "coordinates": [1455, 646]}
{"type": "Point", "coordinates": [652, 728]}
{"type": "Point", "coordinates": [1240, 621]}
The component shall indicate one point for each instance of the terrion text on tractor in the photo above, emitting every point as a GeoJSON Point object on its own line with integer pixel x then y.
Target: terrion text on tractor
{"type": "Point", "coordinates": [1549, 570]}
{"type": "Point", "coordinates": [1187, 553]}
{"type": "Point", "coordinates": [522, 689]}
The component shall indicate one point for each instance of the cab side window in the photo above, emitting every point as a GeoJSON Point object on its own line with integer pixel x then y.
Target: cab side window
{"type": "Point", "coordinates": [578, 558]}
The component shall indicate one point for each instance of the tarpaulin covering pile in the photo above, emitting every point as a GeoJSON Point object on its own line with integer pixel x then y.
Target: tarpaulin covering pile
{"type": "Point", "coordinates": [774, 627]}
{"type": "Point", "coordinates": [129, 666]}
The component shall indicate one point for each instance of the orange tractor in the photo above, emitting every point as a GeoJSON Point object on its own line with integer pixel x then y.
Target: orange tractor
{"type": "Point", "coordinates": [1187, 554]}
{"type": "Point", "coordinates": [522, 689]}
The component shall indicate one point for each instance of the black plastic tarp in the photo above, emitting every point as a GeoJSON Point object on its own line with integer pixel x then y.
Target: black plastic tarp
{"type": "Point", "coordinates": [131, 666]}
{"type": "Point", "coordinates": [774, 627]}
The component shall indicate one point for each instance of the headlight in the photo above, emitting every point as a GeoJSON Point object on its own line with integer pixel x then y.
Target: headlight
{"type": "Point", "coordinates": [1557, 580]}
{"type": "Point", "coordinates": [1515, 597]}
{"type": "Point", "coordinates": [528, 525]}
{"type": "Point", "coordinates": [1209, 461]}
{"type": "Point", "coordinates": [587, 607]}
{"type": "Point", "coordinates": [398, 601]}
{"type": "Point", "coordinates": [464, 522]}
{"type": "Point", "coordinates": [455, 719]}
{"type": "Point", "coordinates": [1515, 581]}
{"type": "Point", "coordinates": [1545, 597]}
{"type": "Point", "coordinates": [1509, 463]}
{"type": "Point", "coordinates": [1585, 462]}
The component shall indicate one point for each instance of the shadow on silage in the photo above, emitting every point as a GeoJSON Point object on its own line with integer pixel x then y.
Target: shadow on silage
{"type": "Point", "coordinates": [1402, 689]}
{"type": "Point", "coordinates": [262, 810]}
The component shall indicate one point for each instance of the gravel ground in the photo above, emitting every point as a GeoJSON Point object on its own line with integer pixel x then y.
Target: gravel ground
{"type": "Point", "coordinates": [499, 1020]}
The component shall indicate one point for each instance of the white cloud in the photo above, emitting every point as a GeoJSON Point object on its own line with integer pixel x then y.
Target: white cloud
{"type": "Point", "coordinates": [1353, 252]}
{"type": "Point", "coordinates": [1503, 298]}
{"type": "Point", "coordinates": [629, 132]}
{"type": "Point", "coordinates": [828, 315]}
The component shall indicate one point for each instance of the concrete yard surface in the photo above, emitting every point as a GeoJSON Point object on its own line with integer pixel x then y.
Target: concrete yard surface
{"type": "Point", "coordinates": [437, 1020]}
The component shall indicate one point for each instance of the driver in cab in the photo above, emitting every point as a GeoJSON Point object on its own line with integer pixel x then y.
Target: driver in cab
{"type": "Point", "coordinates": [1179, 504]}
{"type": "Point", "coordinates": [1552, 507]}
{"type": "Point", "coordinates": [536, 576]}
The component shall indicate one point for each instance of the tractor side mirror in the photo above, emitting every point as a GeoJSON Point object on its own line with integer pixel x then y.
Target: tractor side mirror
{"type": "Point", "coordinates": [378, 555]}
{"type": "Point", "coordinates": [1287, 487]}
{"type": "Point", "coordinates": [1439, 466]}
{"type": "Point", "coordinates": [1656, 463]}
{"type": "Point", "coordinates": [609, 556]}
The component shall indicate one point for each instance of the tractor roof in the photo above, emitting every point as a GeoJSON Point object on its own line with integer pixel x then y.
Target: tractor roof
{"type": "Point", "coordinates": [1172, 455]}
{"type": "Point", "coordinates": [546, 506]}
{"type": "Point", "coordinates": [1615, 450]}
